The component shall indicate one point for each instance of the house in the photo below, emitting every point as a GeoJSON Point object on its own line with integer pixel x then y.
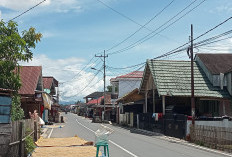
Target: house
{"type": "Point", "coordinates": [95, 105]}
{"type": "Point", "coordinates": [5, 119]}
{"type": "Point", "coordinates": [50, 85]}
{"type": "Point", "coordinates": [31, 89]}
{"type": "Point", "coordinates": [125, 84]}
{"type": "Point", "coordinates": [169, 83]}
{"type": "Point", "coordinates": [94, 95]}
{"type": "Point", "coordinates": [131, 104]}
{"type": "Point", "coordinates": [218, 69]}
{"type": "Point", "coordinates": [166, 86]}
{"type": "Point", "coordinates": [128, 82]}
{"type": "Point", "coordinates": [5, 105]}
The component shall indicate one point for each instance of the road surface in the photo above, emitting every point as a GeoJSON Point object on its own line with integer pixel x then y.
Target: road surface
{"type": "Point", "coordinates": [123, 143]}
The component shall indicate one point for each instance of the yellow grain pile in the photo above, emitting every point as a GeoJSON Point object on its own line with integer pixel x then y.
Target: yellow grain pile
{"type": "Point", "coordinates": [59, 148]}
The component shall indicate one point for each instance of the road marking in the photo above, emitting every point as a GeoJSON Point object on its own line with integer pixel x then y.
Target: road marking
{"type": "Point", "coordinates": [123, 149]}
{"type": "Point", "coordinates": [85, 126]}
{"type": "Point", "coordinates": [50, 133]}
{"type": "Point", "coordinates": [110, 141]}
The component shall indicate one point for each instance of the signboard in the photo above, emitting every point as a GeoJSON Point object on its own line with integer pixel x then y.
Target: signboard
{"type": "Point", "coordinates": [5, 108]}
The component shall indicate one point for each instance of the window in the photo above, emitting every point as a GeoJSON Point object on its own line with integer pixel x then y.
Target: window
{"type": "Point", "coordinates": [209, 108]}
{"type": "Point", "coordinates": [5, 106]}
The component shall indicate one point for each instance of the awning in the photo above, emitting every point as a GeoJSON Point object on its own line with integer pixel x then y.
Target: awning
{"type": "Point", "coordinates": [132, 96]}
{"type": "Point", "coordinates": [47, 101]}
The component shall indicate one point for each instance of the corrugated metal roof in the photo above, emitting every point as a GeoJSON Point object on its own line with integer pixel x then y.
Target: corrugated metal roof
{"type": "Point", "coordinates": [29, 76]}
{"type": "Point", "coordinates": [217, 63]}
{"type": "Point", "coordinates": [47, 82]}
{"type": "Point", "coordinates": [173, 78]}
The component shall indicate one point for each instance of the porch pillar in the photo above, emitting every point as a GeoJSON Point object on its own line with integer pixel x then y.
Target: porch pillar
{"type": "Point", "coordinates": [163, 103]}
{"type": "Point", "coordinates": [145, 105]}
{"type": "Point", "coordinates": [223, 107]}
{"type": "Point", "coordinates": [153, 100]}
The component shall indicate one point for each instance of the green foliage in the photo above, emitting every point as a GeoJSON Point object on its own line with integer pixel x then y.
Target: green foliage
{"type": "Point", "coordinates": [109, 89]}
{"type": "Point", "coordinates": [29, 145]}
{"type": "Point", "coordinates": [17, 112]}
{"type": "Point", "coordinates": [9, 79]}
{"type": "Point", "coordinates": [14, 48]}
{"type": "Point", "coordinates": [29, 142]}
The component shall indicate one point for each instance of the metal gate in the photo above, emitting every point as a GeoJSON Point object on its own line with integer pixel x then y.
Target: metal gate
{"type": "Point", "coordinates": [146, 122]}
{"type": "Point", "coordinates": [175, 125]}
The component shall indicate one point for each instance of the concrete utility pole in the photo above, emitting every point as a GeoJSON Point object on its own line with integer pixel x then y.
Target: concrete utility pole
{"type": "Point", "coordinates": [192, 79]}
{"type": "Point", "coordinates": [104, 79]}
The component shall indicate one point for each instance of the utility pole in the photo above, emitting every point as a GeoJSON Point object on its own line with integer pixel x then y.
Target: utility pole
{"type": "Point", "coordinates": [192, 79]}
{"type": "Point", "coordinates": [104, 79]}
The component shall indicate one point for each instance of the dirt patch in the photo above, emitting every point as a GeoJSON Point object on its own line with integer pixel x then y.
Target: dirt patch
{"type": "Point", "coordinates": [63, 147]}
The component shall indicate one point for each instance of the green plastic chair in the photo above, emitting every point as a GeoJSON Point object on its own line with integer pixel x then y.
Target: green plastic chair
{"type": "Point", "coordinates": [105, 145]}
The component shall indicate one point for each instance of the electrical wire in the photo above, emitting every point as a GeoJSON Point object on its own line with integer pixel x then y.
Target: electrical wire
{"type": "Point", "coordinates": [148, 36]}
{"type": "Point", "coordinates": [182, 49]}
{"type": "Point", "coordinates": [26, 11]}
{"type": "Point", "coordinates": [142, 26]}
{"type": "Point", "coordinates": [80, 71]}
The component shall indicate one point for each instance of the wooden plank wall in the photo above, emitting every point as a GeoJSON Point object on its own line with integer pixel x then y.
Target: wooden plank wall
{"type": "Point", "coordinates": [13, 133]}
{"type": "Point", "coordinates": [5, 137]}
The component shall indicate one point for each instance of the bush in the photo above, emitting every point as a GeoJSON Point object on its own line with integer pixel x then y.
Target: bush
{"type": "Point", "coordinates": [29, 145]}
{"type": "Point", "coordinates": [17, 112]}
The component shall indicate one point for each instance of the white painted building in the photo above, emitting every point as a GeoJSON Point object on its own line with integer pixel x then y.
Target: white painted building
{"type": "Point", "coordinates": [126, 83]}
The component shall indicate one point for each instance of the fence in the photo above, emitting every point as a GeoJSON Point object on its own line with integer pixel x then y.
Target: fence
{"type": "Point", "coordinates": [212, 137]}
{"type": "Point", "coordinates": [16, 134]}
{"type": "Point", "coordinates": [146, 122]}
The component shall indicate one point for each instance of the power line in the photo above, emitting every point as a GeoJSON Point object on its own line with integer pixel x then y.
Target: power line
{"type": "Point", "coordinates": [178, 48]}
{"type": "Point", "coordinates": [80, 71]}
{"type": "Point", "coordinates": [142, 26]}
{"type": "Point", "coordinates": [27, 11]}
{"type": "Point", "coordinates": [147, 37]}
{"type": "Point", "coordinates": [88, 83]}
{"type": "Point", "coordinates": [128, 67]}
{"type": "Point", "coordinates": [121, 14]}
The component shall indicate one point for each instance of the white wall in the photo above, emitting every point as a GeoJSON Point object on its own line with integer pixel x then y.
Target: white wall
{"type": "Point", "coordinates": [224, 123]}
{"type": "Point", "coordinates": [126, 86]}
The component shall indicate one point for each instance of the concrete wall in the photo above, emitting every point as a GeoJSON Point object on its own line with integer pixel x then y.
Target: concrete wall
{"type": "Point", "coordinates": [224, 123]}
{"type": "Point", "coordinates": [127, 85]}
{"type": "Point", "coordinates": [127, 119]}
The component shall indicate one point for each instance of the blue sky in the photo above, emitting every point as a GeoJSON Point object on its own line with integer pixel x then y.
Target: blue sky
{"type": "Point", "coordinates": [75, 30]}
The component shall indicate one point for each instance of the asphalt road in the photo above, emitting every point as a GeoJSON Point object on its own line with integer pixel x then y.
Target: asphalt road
{"type": "Point", "coordinates": [123, 143]}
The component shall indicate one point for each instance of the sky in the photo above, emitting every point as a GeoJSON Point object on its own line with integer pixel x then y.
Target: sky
{"type": "Point", "coordinates": [75, 30]}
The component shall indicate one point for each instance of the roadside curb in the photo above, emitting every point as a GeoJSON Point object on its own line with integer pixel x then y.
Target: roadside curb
{"type": "Point", "coordinates": [172, 139]}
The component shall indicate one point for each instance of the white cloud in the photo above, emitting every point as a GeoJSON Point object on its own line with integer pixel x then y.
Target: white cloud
{"type": "Point", "coordinates": [224, 8]}
{"type": "Point", "coordinates": [66, 70]}
{"type": "Point", "coordinates": [50, 5]}
{"type": "Point", "coordinates": [22, 5]}
{"type": "Point", "coordinates": [47, 34]}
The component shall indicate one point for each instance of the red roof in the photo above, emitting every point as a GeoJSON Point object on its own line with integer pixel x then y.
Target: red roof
{"type": "Point", "coordinates": [95, 101]}
{"type": "Point", "coordinates": [134, 74]}
{"type": "Point", "coordinates": [47, 82]}
{"type": "Point", "coordinates": [29, 76]}
{"type": "Point", "coordinates": [98, 101]}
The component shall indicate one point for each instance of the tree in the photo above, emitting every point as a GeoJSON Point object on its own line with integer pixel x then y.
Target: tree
{"type": "Point", "coordinates": [15, 48]}
{"type": "Point", "coordinates": [109, 88]}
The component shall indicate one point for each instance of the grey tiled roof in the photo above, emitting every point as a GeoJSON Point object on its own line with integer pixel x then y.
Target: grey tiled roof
{"type": "Point", "coordinates": [173, 78]}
